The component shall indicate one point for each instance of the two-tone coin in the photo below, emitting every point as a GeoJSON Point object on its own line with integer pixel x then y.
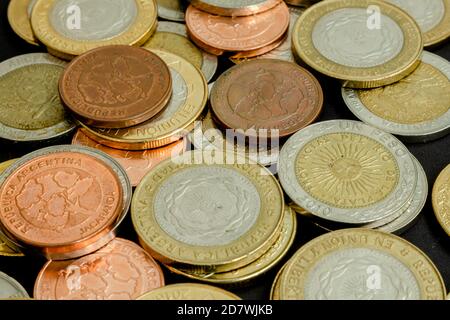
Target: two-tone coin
{"type": "Point", "coordinates": [170, 10]}
{"type": "Point", "coordinates": [441, 199]}
{"type": "Point", "coordinates": [189, 291]}
{"type": "Point", "coordinates": [234, 8]}
{"type": "Point", "coordinates": [11, 289]}
{"type": "Point", "coordinates": [19, 15]}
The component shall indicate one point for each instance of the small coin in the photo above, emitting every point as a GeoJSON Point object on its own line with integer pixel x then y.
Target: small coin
{"type": "Point", "coordinates": [170, 10]}
{"type": "Point", "coordinates": [116, 86]}
{"type": "Point", "coordinates": [433, 18]}
{"type": "Point", "coordinates": [235, 8]}
{"type": "Point", "coordinates": [119, 271]}
{"type": "Point", "coordinates": [266, 94]}
{"type": "Point", "coordinates": [189, 291]}
{"type": "Point", "coordinates": [360, 264]}
{"type": "Point", "coordinates": [11, 289]}
{"type": "Point", "coordinates": [339, 39]}
{"type": "Point", "coordinates": [19, 14]}
{"type": "Point", "coordinates": [440, 199]}
{"type": "Point", "coordinates": [30, 109]}
{"type": "Point", "coordinates": [417, 107]}
{"type": "Point", "coordinates": [73, 27]}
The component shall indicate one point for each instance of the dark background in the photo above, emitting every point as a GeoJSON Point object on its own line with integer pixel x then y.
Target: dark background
{"type": "Point", "coordinates": [426, 233]}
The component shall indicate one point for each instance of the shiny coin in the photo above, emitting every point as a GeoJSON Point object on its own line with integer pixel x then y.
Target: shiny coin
{"type": "Point", "coordinates": [432, 16]}
{"type": "Point", "coordinates": [19, 14]}
{"type": "Point", "coordinates": [221, 211]}
{"type": "Point", "coordinates": [333, 37]}
{"type": "Point", "coordinates": [30, 109]}
{"type": "Point", "coordinates": [235, 8]}
{"type": "Point", "coordinates": [72, 27]}
{"type": "Point", "coordinates": [347, 172]}
{"type": "Point", "coordinates": [417, 107]}
{"type": "Point", "coordinates": [120, 271]}
{"type": "Point", "coordinates": [441, 199]}
{"type": "Point", "coordinates": [172, 37]}
{"type": "Point", "coordinates": [116, 86]}
{"type": "Point", "coordinates": [275, 289]}
{"type": "Point", "coordinates": [189, 291]}
{"type": "Point", "coordinates": [266, 94]}
{"type": "Point", "coordinates": [170, 10]}
{"type": "Point", "coordinates": [11, 289]}
{"type": "Point", "coordinates": [360, 264]}
{"type": "Point", "coordinates": [188, 100]}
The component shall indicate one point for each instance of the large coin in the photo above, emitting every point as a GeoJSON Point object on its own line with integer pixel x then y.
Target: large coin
{"type": "Point", "coordinates": [11, 289]}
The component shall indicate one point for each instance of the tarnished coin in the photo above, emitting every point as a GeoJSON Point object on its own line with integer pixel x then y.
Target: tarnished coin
{"type": "Point", "coordinates": [119, 271]}
{"type": "Point", "coordinates": [222, 211]}
{"type": "Point", "coordinates": [237, 33]}
{"type": "Point", "coordinates": [441, 199]}
{"type": "Point", "coordinates": [11, 289]}
{"type": "Point", "coordinates": [188, 100]}
{"type": "Point", "coordinates": [360, 264]}
{"type": "Point", "coordinates": [116, 86]}
{"type": "Point", "coordinates": [343, 40]}
{"type": "Point", "coordinates": [172, 37]}
{"type": "Point", "coordinates": [266, 94]}
{"type": "Point", "coordinates": [170, 10]}
{"type": "Point", "coordinates": [73, 27]}
{"type": "Point", "coordinates": [189, 291]}
{"type": "Point", "coordinates": [235, 8]}
{"type": "Point", "coordinates": [432, 16]}
{"type": "Point", "coordinates": [417, 107]}
{"type": "Point", "coordinates": [30, 109]}
{"type": "Point", "coordinates": [19, 15]}
{"type": "Point", "coordinates": [347, 172]}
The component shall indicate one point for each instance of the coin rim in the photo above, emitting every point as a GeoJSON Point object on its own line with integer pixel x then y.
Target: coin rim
{"type": "Point", "coordinates": [16, 9]}
{"type": "Point", "coordinates": [189, 285]}
{"type": "Point", "coordinates": [443, 175]}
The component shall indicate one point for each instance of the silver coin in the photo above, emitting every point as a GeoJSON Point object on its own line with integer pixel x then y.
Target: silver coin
{"type": "Point", "coordinates": [347, 172]}
{"type": "Point", "coordinates": [413, 96]}
{"type": "Point", "coordinates": [31, 109]}
{"type": "Point", "coordinates": [170, 10]}
{"type": "Point", "coordinates": [233, 7]}
{"type": "Point", "coordinates": [11, 289]}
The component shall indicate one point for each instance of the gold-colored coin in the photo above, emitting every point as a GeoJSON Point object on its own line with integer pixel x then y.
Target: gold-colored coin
{"type": "Point", "coordinates": [189, 291]}
{"type": "Point", "coordinates": [441, 199]}
{"type": "Point", "coordinates": [275, 289]}
{"type": "Point", "coordinates": [208, 211]}
{"type": "Point", "coordinates": [363, 49]}
{"type": "Point", "coordinates": [19, 14]}
{"type": "Point", "coordinates": [190, 93]}
{"type": "Point", "coordinates": [360, 264]}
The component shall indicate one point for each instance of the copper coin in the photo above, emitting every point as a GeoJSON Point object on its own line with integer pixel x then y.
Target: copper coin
{"type": "Point", "coordinates": [60, 199]}
{"type": "Point", "coordinates": [116, 86]}
{"type": "Point", "coordinates": [238, 33]}
{"type": "Point", "coordinates": [267, 94]}
{"type": "Point", "coordinates": [261, 51]}
{"type": "Point", "coordinates": [119, 271]}
{"type": "Point", "coordinates": [136, 163]}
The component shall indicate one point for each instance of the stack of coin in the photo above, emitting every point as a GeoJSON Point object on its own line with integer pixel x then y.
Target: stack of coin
{"type": "Point", "coordinates": [358, 264]}
{"type": "Point", "coordinates": [345, 173]}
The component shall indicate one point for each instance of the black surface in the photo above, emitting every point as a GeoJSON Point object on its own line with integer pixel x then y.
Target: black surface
{"type": "Point", "coordinates": [426, 233]}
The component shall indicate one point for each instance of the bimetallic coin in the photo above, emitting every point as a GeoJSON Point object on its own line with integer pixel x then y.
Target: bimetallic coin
{"type": "Point", "coordinates": [73, 27]}
{"type": "Point", "coordinates": [116, 86]}
{"type": "Point", "coordinates": [189, 291]}
{"type": "Point", "coordinates": [347, 172]}
{"type": "Point", "coordinates": [119, 271]}
{"type": "Point", "coordinates": [11, 289]}
{"type": "Point", "coordinates": [19, 14]}
{"type": "Point", "coordinates": [416, 108]}
{"type": "Point", "coordinates": [441, 199]}
{"type": "Point", "coordinates": [340, 39]}
{"type": "Point", "coordinates": [172, 37]}
{"type": "Point", "coordinates": [360, 264]}
{"type": "Point", "coordinates": [235, 8]}
{"type": "Point", "coordinates": [188, 100]}
{"type": "Point", "coordinates": [170, 10]}
{"type": "Point", "coordinates": [432, 16]}
{"type": "Point", "coordinates": [31, 109]}
{"type": "Point", "coordinates": [222, 211]}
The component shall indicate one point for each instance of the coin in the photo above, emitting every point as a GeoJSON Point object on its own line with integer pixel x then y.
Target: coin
{"type": "Point", "coordinates": [73, 27]}
{"type": "Point", "coordinates": [11, 289]}
{"type": "Point", "coordinates": [119, 271]}
{"type": "Point", "coordinates": [136, 163]}
{"type": "Point", "coordinates": [261, 51]}
{"type": "Point", "coordinates": [188, 100]}
{"type": "Point", "coordinates": [347, 172]}
{"type": "Point", "coordinates": [189, 291]}
{"type": "Point", "coordinates": [301, 3]}
{"type": "Point", "coordinates": [220, 211]}
{"type": "Point", "coordinates": [170, 10]}
{"type": "Point", "coordinates": [340, 39]}
{"type": "Point", "coordinates": [30, 109]}
{"type": "Point", "coordinates": [360, 264]}
{"type": "Point", "coordinates": [116, 86]}
{"type": "Point", "coordinates": [19, 14]}
{"type": "Point", "coordinates": [235, 8]}
{"type": "Point", "coordinates": [266, 94]}
{"type": "Point", "coordinates": [433, 18]}
{"type": "Point", "coordinates": [441, 199]}
{"type": "Point", "coordinates": [172, 37]}
{"type": "Point", "coordinates": [416, 108]}
{"type": "Point", "coordinates": [237, 33]}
